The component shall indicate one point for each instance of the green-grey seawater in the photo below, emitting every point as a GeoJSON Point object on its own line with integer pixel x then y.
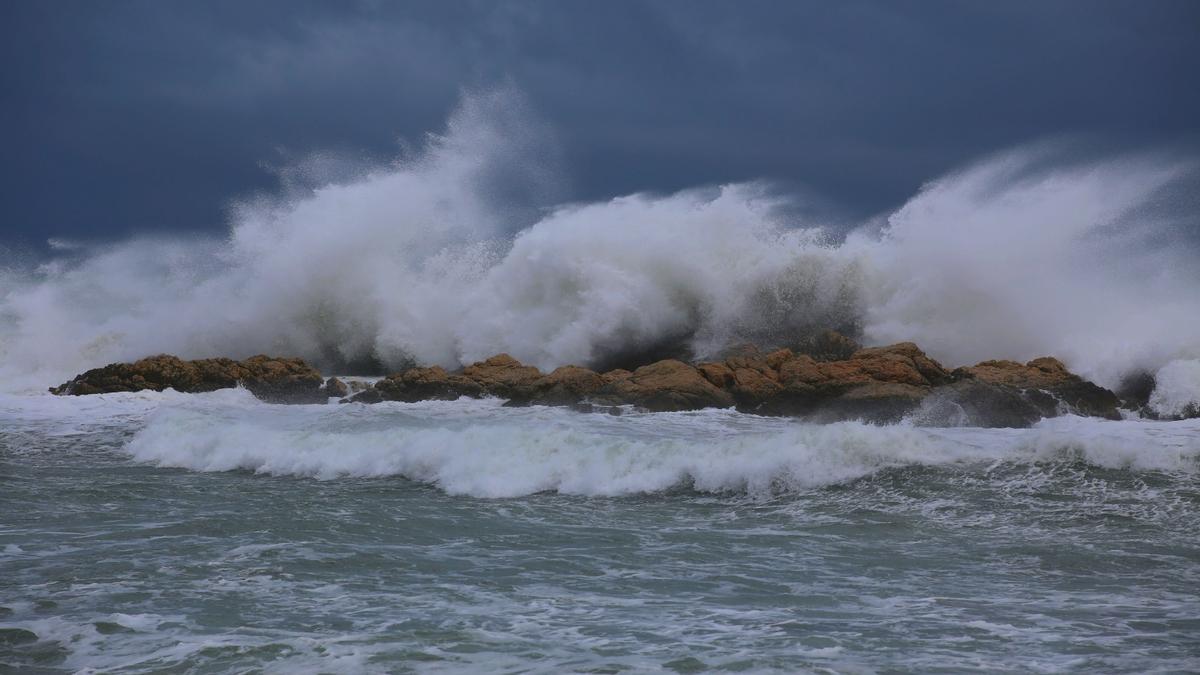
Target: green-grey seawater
{"type": "Point", "coordinates": [211, 534]}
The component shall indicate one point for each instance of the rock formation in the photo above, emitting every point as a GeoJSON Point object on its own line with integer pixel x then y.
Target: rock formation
{"type": "Point", "coordinates": [837, 381]}
{"type": "Point", "coordinates": [277, 380]}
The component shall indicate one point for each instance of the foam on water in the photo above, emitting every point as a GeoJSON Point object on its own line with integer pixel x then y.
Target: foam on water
{"type": "Point", "coordinates": [736, 541]}
{"type": "Point", "coordinates": [460, 251]}
{"type": "Point", "coordinates": [481, 449]}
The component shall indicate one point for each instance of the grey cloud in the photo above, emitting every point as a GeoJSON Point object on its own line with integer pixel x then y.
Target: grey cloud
{"type": "Point", "coordinates": [139, 115]}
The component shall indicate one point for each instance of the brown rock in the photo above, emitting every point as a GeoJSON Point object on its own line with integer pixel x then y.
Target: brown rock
{"type": "Point", "coordinates": [615, 375]}
{"type": "Point", "coordinates": [504, 376]}
{"type": "Point", "coordinates": [282, 380]}
{"type": "Point", "coordinates": [423, 384]}
{"type": "Point", "coordinates": [752, 387]}
{"type": "Point", "coordinates": [566, 385]}
{"type": "Point", "coordinates": [778, 357]}
{"type": "Point", "coordinates": [908, 354]}
{"type": "Point", "coordinates": [665, 386]}
{"type": "Point", "coordinates": [719, 374]}
{"type": "Point", "coordinates": [1040, 381]}
{"type": "Point", "coordinates": [335, 388]}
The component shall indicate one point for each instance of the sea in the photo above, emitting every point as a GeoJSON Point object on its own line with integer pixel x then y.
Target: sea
{"type": "Point", "coordinates": [158, 532]}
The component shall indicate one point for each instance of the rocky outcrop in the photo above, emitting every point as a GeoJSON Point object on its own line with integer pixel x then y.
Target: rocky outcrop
{"type": "Point", "coordinates": [837, 381]}
{"type": "Point", "coordinates": [879, 384]}
{"type": "Point", "coordinates": [273, 379]}
{"type": "Point", "coordinates": [668, 385]}
{"type": "Point", "coordinates": [504, 377]}
{"type": "Point", "coordinates": [1045, 383]}
{"type": "Point", "coordinates": [420, 384]}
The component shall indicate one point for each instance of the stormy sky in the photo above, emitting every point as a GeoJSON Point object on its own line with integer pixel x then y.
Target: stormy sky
{"type": "Point", "coordinates": [124, 117]}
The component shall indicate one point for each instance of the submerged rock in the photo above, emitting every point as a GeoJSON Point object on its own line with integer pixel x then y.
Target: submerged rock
{"type": "Point", "coordinates": [273, 379]}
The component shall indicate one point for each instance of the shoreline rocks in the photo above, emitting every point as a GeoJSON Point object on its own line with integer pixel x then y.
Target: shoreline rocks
{"type": "Point", "coordinates": [840, 382]}
{"type": "Point", "coordinates": [877, 384]}
{"type": "Point", "coordinates": [272, 379]}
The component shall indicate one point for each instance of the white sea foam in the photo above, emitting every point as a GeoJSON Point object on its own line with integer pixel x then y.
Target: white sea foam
{"type": "Point", "coordinates": [1177, 390]}
{"type": "Point", "coordinates": [434, 259]}
{"type": "Point", "coordinates": [488, 451]}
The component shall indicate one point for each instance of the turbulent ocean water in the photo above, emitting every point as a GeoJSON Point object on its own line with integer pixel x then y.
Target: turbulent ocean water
{"type": "Point", "coordinates": [213, 533]}
{"type": "Point", "coordinates": [161, 532]}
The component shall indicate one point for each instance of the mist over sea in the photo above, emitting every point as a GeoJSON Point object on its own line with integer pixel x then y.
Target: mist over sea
{"type": "Point", "coordinates": [211, 533]}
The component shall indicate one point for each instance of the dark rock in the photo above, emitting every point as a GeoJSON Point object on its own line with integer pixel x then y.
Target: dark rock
{"type": "Point", "coordinates": [368, 396]}
{"type": "Point", "coordinates": [1048, 376]}
{"type": "Point", "coordinates": [424, 384]}
{"type": "Point", "coordinates": [335, 388]}
{"type": "Point", "coordinates": [273, 379]}
{"type": "Point", "coordinates": [1135, 389]}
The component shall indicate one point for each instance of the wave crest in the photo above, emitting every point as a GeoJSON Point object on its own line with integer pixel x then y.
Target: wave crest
{"type": "Point", "coordinates": [451, 255]}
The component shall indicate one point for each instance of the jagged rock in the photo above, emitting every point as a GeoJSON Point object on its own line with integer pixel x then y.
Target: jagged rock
{"type": "Point", "coordinates": [504, 377]}
{"type": "Point", "coordinates": [335, 388]}
{"type": "Point", "coordinates": [273, 379]}
{"type": "Point", "coordinates": [421, 384]}
{"type": "Point", "coordinates": [566, 385]}
{"type": "Point", "coordinates": [1047, 376]}
{"type": "Point", "coordinates": [895, 360]}
{"type": "Point", "coordinates": [973, 402]}
{"type": "Point", "coordinates": [667, 385]}
{"type": "Point", "coordinates": [719, 374]}
{"type": "Point", "coordinates": [879, 384]}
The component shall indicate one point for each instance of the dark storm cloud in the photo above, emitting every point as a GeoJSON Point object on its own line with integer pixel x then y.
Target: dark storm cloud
{"type": "Point", "coordinates": [133, 116]}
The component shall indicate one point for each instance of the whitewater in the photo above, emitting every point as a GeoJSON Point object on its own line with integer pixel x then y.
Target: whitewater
{"type": "Point", "coordinates": [212, 533]}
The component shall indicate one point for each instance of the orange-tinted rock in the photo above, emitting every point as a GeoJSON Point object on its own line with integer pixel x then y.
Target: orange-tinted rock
{"type": "Point", "coordinates": [504, 376]}
{"type": "Point", "coordinates": [283, 380]}
{"type": "Point", "coordinates": [566, 385]}
{"type": "Point", "coordinates": [1045, 383]}
{"type": "Point", "coordinates": [664, 386]}
{"type": "Point", "coordinates": [719, 374]}
{"type": "Point", "coordinates": [908, 354]}
{"type": "Point", "coordinates": [615, 375]}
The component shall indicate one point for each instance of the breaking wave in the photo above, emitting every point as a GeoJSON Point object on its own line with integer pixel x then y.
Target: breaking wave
{"type": "Point", "coordinates": [457, 252]}
{"type": "Point", "coordinates": [483, 450]}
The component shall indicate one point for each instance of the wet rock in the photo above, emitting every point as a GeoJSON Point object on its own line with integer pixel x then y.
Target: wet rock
{"type": "Point", "coordinates": [667, 385]}
{"type": "Point", "coordinates": [973, 402]}
{"type": "Point", "coordinates": [615, 375]}
{"type": "Point", "coordinates": [566, 385]}
{"type": "Point", "coordinates": [1048, 376]}
{"type": "Point", "coordinates": [368, 396]}
{"type": "Point", "coordinates": [504, 377]}
{"type": "Point", "coordinates": [719, 374]}
{"type": "Point", "coordinates": [335, 388]}
{"type": "Point", "coordinates": [273, 379]}
{"type": "Point", "coordinates": [1135, 390]}
{"type": "Point", "coordinates": [879, 384]}
{"type": "Point", "coordinates": [423, 384]}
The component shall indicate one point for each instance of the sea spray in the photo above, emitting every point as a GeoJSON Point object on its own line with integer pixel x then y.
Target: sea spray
{"type": "Point", "coordinates": [457, 252]}
{"type": "Point", "coordinates": [482, 449]}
